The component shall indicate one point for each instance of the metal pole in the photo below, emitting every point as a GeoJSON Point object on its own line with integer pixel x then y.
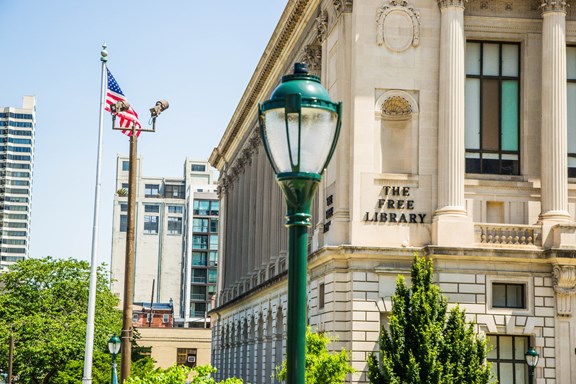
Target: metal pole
{"type": "Point", "coordinates": [129, 263]}
{"type": "Point", "coordinates": [10, 356]}
{"type": "Point", "coordinates": [114, 374]}
{"type": "Point", "coordinates": [296, 337]}
{"type": "Point", "coordinates": [531, 374]}
{"type": "Point", "coordinates": [298, 194]}
{"type": "Point", "coordinates": [88, 351]}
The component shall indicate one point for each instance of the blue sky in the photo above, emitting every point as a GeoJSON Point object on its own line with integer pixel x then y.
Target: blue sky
{"type": "Point", "coordinates": [198, 55]}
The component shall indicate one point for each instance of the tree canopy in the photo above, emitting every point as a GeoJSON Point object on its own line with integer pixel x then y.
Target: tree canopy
{"type": "Point", "coordinates": [44, 304]}
{"type": "Point", "coordinates": [424, 344]}
{"type": "Point", "coordinates": [322, 366]}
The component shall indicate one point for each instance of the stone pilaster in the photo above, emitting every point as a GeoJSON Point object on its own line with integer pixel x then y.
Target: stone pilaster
{"type": "Point", "coordinates": [554, 114]}
{"type": "Point", "coordinates": [451, 225]}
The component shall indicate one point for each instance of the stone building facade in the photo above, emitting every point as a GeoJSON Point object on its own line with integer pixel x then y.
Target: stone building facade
{"type": "Point", "coordinates": [458, 143]}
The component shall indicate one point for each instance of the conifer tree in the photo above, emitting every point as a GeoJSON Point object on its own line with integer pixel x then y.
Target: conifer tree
{"type": "Point", "coordinates": [424, 344]}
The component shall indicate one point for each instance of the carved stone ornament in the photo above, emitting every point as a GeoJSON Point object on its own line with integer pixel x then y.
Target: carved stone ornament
{"type": "Point", "coordinates": [343, 6]}
{"type": "Point", "coordinates": [313, 57]}
{"type": "Point", "coordinates": [564, 277]}
{"type": "Point", "coordinates": [553, 5]}
{"type": "Point", "coordinates": [322, 25]}
{"type": "Point", "coordinates": [451, 3]}
{"type": "Point", "coordinates": [396, 108]}
{"type": "Point", "coordinates": [398, 26]}
{"type": "Point", "coordinates": [396, 105]}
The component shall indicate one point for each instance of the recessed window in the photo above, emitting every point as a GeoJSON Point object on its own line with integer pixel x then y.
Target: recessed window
{"type": "Point", "coordinates": [123, 207]}
{"type": "Point", "coordinates": [506, 295]}
{"type": "Point", "coordinates": [125, 165]}
{"type": "Point", "coordinates": [492, 108]}
{"type": "Point", "coordinates": [198, 168]}
{"type": "Point", "coordinates": [321, 294]}
{"type": "Point", "coordinates": [151, 225]}
{"type": "Point", "coordinates": [174, 225]}
{"type": "Point", "coordinates": [214, 225]}
{"type": "Point", "coordinates": [151, 190]}
{"type": "Point", "coordinates": [135, 318]}
{"type": "Point", "coordinates": [507, 357]}
{"type": "Point", "coordinates": [174, 191]}
{"type": "Point", "coordinates": [165, 318]}
{"type": "Point", "coordinates": [123, 223]}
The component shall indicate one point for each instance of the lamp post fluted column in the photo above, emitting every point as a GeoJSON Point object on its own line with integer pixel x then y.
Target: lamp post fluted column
{"type": "Point", "coordinates": [300, 127]}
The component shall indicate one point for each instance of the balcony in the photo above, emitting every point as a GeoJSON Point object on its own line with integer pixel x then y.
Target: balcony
{"type": "Point", "coordinates": [508, 235]}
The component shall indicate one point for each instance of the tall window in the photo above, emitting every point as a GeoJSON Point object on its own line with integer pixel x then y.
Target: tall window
{"type": "Point", "coordinates": [492, 108]}
{"type": "Point", "coordinates": [123, 223]}
{"type": "Point", "coordinates": [571, 99]}
{"type": "Point", "coordinates": [174, 225]}
{"type": "Point", "coordinates": [214, 225]}
{"type": "Point", "coordinates": [151, 225]}
{"type": "Point", "coordinates": [507, 358]}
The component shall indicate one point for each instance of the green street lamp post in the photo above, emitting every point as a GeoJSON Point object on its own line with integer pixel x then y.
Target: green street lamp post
{"type": "Point", "coordinates": [299, 127]}
{"type": "Point", "coordinates": [531, 357]}
{"type": "Point", "coordinates": [114, 345]}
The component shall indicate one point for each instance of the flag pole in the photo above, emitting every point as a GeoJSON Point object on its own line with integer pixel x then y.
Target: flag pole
{"type": "Point", "coordinates": [87, 376]}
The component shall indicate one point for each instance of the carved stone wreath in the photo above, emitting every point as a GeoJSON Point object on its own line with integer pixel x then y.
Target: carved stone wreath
{"type": "Point", "coordinates": [398, 26]}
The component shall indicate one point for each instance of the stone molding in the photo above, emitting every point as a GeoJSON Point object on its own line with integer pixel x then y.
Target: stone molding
{"type": "Point", "coordinates": [387, 18]}
{"type": "Point", "coordinates": [451, 3]}
{"type": "Point", "coordinates": [564, 283]}
{"type": "Point", "coordinates": [343, 6]}
{"type": "Point", "coordinates": [553, 6]}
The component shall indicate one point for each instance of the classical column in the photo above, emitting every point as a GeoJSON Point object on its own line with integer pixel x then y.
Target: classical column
{"type": "Point", "coordinates": [554, 166]}
{"type": "Point", "coordinates": [451, 225]}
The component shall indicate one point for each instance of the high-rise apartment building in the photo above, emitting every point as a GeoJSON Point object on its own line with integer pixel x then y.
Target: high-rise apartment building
{"type": "Point", "coordinates": [17, 127]}
{"type": "Point", "coordinates": [176, 239]}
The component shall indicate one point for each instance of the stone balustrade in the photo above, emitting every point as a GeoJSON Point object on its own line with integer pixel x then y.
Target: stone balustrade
{"type": "Point", "coordinates": [508, 234]}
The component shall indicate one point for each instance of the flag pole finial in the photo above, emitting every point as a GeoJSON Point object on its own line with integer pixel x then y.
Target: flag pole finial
{"type": "Point", "coordinates": [104, 53]}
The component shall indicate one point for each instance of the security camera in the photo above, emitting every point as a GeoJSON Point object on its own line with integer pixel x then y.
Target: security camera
{"type": "Point", "coordinates": [161, 106]}
{"type": "Point", "coordinates": [119, 106]}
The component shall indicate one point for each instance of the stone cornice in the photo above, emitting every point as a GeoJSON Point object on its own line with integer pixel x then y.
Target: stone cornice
{"type": "Point", "coordinates": [451, 3]}
{"type": "Point", "coordinates": [265, 77]}
{"type": "Point", "coordinates": [553, 6]}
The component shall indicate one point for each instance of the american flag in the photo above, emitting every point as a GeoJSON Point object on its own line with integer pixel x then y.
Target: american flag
{"type": "Point", "coordinates": [113, 95]}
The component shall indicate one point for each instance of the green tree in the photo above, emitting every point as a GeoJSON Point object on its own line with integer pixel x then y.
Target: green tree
{"type": "Point", "coordinates": [322, 367]}
{"type": "Point", "coordinates": [425, 344]}
{"type": "Point", "coordinates": [44, 303]}
{"type": "Point", "coordinates": [180, 374]}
